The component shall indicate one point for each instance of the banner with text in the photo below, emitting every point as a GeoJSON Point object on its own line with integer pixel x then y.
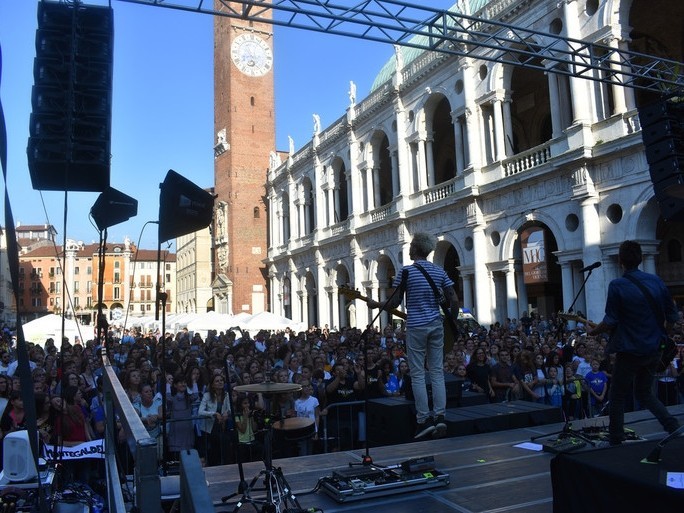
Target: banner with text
{"type": "Point", "coordinates": [533, 242]}
{"type": "Point", "coordinates": [94, 449]}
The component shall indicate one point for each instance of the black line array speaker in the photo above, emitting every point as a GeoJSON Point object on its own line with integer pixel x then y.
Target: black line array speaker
{"type": "Point", "coordinates": [69, 142]}
{"type": "Point", "coordinates": [662, 131]}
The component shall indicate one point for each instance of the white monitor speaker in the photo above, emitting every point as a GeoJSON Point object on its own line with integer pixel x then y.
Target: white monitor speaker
{"type": "Point", "coordinates": [18, 464]}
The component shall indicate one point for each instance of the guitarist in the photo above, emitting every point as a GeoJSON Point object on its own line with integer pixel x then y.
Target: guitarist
{"type": "Point", "coordinates": [424, 330]}
{"type": "Point", "coordinates": [636, 323]}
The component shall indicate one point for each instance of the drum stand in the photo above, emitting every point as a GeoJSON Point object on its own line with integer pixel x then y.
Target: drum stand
{"type": "Point", "coordinates": [278, 494]}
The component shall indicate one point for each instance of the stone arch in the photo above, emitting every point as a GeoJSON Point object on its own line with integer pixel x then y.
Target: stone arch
{"type": "Point", "coordinates": [383, 174]}
{"type": "Point", "coordinates": [643, 218]}
{"type": "Point", "coordinates": [511, 236]}
{"type": "Point", "coordinates": [342, 195]}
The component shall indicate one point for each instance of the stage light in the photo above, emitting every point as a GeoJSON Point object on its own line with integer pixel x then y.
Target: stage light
{"type": "Point", "coordinates": [113, 207]}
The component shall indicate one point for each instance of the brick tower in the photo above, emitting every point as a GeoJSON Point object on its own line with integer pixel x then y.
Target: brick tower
{"type": "Point", "coordinates": [244, 122]}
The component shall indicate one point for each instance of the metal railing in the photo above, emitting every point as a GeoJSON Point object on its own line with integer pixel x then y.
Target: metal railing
{"type": "Point", "coordinates": [344, 421]}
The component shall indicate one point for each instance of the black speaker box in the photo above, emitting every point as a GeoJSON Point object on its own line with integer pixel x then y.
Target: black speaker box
{"type": "Point", "coordinates": [69, 146]}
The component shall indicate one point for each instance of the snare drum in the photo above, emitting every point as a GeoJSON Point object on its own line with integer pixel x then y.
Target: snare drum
{"type": "Point", "coordinates": [295, 428]}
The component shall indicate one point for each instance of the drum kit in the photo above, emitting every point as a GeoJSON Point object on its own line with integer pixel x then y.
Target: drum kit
{"type": "Point", "coordinates": [278, 495]}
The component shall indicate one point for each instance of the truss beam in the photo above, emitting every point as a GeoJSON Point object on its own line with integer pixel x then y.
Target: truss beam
{"type": "Point", "coordinates": [481, 37]}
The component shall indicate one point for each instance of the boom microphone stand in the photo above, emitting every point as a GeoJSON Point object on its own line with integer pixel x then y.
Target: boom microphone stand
{"type": "Point", "coordinates": [365, 336]}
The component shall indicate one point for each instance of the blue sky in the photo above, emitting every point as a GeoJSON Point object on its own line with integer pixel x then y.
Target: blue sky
{"type": "Point", "coordinates": [163, 105]}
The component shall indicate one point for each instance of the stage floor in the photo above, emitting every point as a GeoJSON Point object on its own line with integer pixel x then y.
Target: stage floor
{"type": "Point", "coordinates": [487, 472]}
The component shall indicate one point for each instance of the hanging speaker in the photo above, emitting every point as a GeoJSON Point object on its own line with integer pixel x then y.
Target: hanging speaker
{"type": "Point", "coordinates": [183, 207]}
{"type": "Point", "coordinates": [113, 207]}
{"type": "Point", "coordinates": [69, 147]}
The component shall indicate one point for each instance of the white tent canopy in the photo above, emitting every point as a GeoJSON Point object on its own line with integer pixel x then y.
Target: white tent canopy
{"type": "Point", "coordinates": [204, 322]}
{"type": "Point", "coordinates": [50, 326]}
{"type": "Point", "coordinates": [272, 322]}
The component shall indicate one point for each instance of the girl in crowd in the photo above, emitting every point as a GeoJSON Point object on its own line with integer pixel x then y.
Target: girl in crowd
{"type": "Point", "coordinates": [478, 371]}
{"type": "Point", "coordinates": [248, 447]}
{"type": "Point", "coordinates": [215, 409]}
{"type": "Point", "coordinates": [525, 373]}
{"type": "Point", "coordinates": [539, 391]}
{"type": "Point", "coordinates": [307, 407]}
{"type": "Point", "coordinates": [150, 411]}
{"type": "Point", "coordinates": [132, 386]}
{"type": "Point", "coordinates": [179, 409]}
{"type": "Point", "coordinates": [5, 389]}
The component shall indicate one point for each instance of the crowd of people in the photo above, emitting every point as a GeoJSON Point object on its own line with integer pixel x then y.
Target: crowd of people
{"type": "Point", "coordinates": [533, 359]}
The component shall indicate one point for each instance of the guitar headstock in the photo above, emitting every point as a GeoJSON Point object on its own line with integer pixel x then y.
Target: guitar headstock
{"type": "Point", "coordinates": [568, 316]}
{"type": "Point", "coordinates": [350, 294]}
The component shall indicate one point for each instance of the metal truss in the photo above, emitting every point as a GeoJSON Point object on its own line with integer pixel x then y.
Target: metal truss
{"type": "Point", "coordinates": [407, 24]}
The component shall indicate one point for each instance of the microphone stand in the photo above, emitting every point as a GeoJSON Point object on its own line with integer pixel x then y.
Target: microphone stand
{"type": "Point", "coordinates": [367, 460]}
{"type": "Point", "coordinates": [654, 456]}
{"type": "Point", "coordinates": [569, 348]}
{"type": "Point", "coordinates": [568, 351]}
{"type": "Point", "coordinates": [242, 485]}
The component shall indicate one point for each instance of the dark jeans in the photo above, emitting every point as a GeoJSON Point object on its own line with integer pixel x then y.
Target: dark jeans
{"type": "Point", "coordinates": [640, 370]}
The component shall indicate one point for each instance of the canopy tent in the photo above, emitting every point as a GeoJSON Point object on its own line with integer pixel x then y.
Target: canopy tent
{"type": "Point", "coordinates": [272, 322]}
{"type": "Point", "coordinates": [50, 326]}
{"type": "Point", "coordinates": [204, 322]}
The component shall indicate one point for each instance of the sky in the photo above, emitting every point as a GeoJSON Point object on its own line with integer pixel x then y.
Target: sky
{"type": "Point", "coordinates": [162, 108]}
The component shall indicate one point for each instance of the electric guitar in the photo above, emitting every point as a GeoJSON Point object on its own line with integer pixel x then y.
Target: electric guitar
{"type": "Point", "coordinates": [576, 318]}
{"type": "Point", "coordinates": [668, 348]}
{"type": "Point", "coordinates": [451, 330]}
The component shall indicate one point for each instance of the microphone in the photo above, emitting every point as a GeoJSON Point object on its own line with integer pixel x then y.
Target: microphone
{"type": "Point", "coordinates": [590, 267]}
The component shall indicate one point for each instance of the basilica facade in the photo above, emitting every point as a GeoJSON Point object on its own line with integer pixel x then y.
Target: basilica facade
{"type": "Point", "coordinates": [525, 176]}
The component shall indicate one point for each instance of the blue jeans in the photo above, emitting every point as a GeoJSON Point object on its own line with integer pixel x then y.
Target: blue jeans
{"type": "Point", "coordinates": [425, 344]}
{"type": "Point", "coordinates": [639, 370]}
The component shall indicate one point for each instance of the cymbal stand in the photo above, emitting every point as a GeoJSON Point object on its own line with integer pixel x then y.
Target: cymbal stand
{"type": "Point", "coordinates": [278, 496]}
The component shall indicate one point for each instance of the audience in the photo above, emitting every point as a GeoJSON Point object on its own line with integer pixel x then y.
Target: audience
{"type": "Point", "coordinates": [534, 359]}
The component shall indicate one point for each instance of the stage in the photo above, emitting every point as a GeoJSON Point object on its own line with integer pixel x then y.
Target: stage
{"type": "Point", "coordinates": [486, 471]}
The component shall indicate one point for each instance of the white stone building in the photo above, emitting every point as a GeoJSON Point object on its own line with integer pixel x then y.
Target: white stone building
{"type": "Point", "coordinates": [194, 272]}
{"type": "Point", "coordinates": [524, 176]}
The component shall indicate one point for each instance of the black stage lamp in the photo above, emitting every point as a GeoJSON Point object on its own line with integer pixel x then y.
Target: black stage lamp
{"type": "Point", "coordinates": [113, 207]}
{"type": "Point", "coordinates": [183, 207]}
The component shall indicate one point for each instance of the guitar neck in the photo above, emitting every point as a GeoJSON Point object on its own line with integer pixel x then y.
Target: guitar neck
{"type": "Point", "coordinates": [353, 294]}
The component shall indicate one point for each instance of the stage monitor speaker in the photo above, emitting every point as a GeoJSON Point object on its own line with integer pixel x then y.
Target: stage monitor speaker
{"type": "Point", "coordinates": [113, 207]}
{"type": "Point", "coordinates": [69, 147]}
{"type": "Point", "coordinates": [183, 207]}
{"type": "Point", "coordinates": [18, 464]}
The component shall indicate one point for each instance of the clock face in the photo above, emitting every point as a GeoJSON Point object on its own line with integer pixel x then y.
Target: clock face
{"type": "Point", "coordinates": [251, 55]}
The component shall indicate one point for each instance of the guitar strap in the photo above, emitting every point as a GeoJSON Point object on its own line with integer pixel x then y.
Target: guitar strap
{"type": "Point", "coordinates": [659, 315]}
{"type": "Point", "coordinates": [441, 300]}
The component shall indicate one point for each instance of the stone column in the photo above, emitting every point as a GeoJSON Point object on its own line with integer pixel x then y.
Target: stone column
{"type": "Point", "coordinates": [556, 108]}
{"type": "Point", "coordinates": [422, 169]}
{"type": "Point", "coordinates": [370, 202]}
{"type": "Point", "coordinates": [499, 132]}
{"type": "Point", "coordinates": [619, 101]}
{"type": "Point", "coordinates": [395, 174]}
{"type": "Point", "coordinates": [467, 280]}
{"type": "Point", "coordinates": [376, 187]}
{"type": "Point", "coordinates": [430, 162]}
{"type": "Point", "coordinates": [458, 137]}
{"type": "Point", "coordinates": [511, 294]}
{"type": "Point", "coordinates": [595, 289]}
{"type": "Point", "coordinates": [578, 86]}
{"type": "Point", "coordinates": [568, 285]}
{"type": "Point", "coordinates": [483, 283]}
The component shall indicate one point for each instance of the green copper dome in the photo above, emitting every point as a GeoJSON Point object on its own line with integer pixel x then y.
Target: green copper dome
{"type": "Point", "coordinates": [409, 53]}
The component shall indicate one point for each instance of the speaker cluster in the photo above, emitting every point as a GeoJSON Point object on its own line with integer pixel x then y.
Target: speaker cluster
{"type": "Point", "coordinates": [662, 131]}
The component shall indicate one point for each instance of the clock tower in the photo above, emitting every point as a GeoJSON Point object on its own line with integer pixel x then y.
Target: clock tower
{"type": "Point", "coordinates": [244, 126]}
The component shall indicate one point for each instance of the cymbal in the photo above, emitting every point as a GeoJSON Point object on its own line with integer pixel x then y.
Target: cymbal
{"type": "Point", "coordinates": [269, 387]}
